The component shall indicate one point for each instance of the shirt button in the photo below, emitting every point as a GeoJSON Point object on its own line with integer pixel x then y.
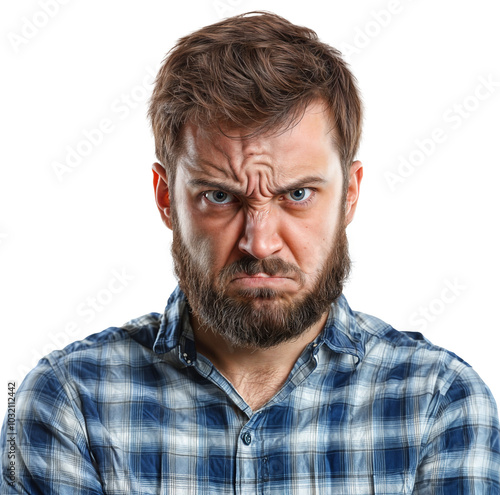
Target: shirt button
{"type": "Point", "coordinates": [247, 438]}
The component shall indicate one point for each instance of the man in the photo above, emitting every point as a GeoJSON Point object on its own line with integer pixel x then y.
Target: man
{"type": "Point", "coordinates": [258, 377]}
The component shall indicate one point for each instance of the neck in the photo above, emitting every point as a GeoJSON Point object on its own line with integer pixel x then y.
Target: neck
{"type": "Point", "coordinates": [252, 370]}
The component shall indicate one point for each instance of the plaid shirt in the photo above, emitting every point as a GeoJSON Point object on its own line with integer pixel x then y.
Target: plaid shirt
{"type": "Point", "coordinates": [365, 410]}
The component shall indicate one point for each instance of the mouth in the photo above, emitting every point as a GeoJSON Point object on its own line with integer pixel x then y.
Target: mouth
{"type": "Point", "coordinates": [261, 279]}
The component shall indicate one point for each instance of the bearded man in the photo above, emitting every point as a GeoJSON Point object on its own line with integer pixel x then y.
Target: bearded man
{"type": "Point", "coordinates": [258, 377]}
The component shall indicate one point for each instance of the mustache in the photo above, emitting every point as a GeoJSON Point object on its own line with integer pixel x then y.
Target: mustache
{"type": "Point", "coordinates": [269, 266]}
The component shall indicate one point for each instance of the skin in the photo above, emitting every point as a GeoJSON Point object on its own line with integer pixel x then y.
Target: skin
{"type": "Point", "coordinates": [259, 217]}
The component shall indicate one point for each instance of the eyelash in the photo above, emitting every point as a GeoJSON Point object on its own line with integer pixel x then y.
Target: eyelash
{"type": "Point", "coordinates": [299, 204]}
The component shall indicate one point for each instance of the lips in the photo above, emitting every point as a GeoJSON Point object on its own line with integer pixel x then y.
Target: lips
{"type": "Point", "coordinates": [268, 271]}
{"type": "Point", "coordinates": [262, 281]}
{"type": "Point", "coordinates": [259, 275]}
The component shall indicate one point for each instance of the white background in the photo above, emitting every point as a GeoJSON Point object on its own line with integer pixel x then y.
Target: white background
{"type": "Point", "coordinates": [64, 239]}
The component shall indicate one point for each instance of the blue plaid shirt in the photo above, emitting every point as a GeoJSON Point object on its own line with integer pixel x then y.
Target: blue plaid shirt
{"type": "Point", "coordinates": [365, 410]}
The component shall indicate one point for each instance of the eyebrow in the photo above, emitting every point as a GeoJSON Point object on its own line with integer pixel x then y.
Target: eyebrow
{"type": "Point", "coordinates": [311, 180]}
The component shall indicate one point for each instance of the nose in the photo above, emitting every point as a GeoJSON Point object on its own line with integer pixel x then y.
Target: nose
{"type": "Point", "coordinates": [260, 237]}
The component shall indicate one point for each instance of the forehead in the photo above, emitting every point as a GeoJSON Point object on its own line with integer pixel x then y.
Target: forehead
{"type": "Point", "coordinates": [305, 149]}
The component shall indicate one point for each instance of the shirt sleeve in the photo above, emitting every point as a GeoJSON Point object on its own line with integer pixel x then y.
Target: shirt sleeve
{"type": "Point", "coordinates": [51, 448]}
{"type": "Point", "coordinates": [462, 451]}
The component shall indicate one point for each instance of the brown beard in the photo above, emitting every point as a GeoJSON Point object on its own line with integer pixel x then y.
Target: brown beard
{"type": "Point", "coordinates": [259, 317]}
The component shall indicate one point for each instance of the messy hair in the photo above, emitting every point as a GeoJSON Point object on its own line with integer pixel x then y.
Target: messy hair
{"type": "Point", "coordinates": [256, 72]}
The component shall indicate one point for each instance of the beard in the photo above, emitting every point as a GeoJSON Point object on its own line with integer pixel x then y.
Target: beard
{"type": "Point", "coordinates": [258, 318]}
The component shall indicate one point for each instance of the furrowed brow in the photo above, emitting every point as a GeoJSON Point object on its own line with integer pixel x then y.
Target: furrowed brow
{"type": "Point", "coordinates": [211, 184]}
{"type": "Point", "coordinates": [221, 186]}
{"type": "Point", "coordinates": [308, 181]}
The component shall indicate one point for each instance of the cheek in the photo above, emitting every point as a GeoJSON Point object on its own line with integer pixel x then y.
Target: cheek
{"type": "Point", "coordinates": [310, 241]}
{"type": "Point", "coordinates": [213, 238]}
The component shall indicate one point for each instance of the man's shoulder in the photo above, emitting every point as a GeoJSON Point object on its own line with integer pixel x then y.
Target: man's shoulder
{"type": "Point", "coordinates": [378, 335]}
{"type": "Point", "coordinates": [128, 344]}
{"type": "Point", "coordinates": [404, 355]}
{"type": "Point", "coordinates": [406, 363]}
{"type": "Point", "coordinates": [396, 356]}
{"type": "Point", "coordinates": [141, 330]}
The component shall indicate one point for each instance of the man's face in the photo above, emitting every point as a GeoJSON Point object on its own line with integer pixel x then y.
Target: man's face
{"type": "Point", "coordinates": [258, 225]}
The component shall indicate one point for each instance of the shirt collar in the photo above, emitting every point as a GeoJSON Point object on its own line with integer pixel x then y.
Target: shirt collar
{"type": "Point", "coordinates": [173, 322]}
{"type": "Point", "coordinates": [341, 333]}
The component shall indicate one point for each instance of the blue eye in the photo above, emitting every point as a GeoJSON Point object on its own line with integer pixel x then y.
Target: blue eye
{"type": "Point", "coordinates": [219, 197]}
{"type": "Point", "coordinates": [299, 194]}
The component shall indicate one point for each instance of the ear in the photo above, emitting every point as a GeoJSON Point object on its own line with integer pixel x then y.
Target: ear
{"type": "Point", "coordinates": [355, 176]}
{"type": "Point", "coordinates": [162, 193]}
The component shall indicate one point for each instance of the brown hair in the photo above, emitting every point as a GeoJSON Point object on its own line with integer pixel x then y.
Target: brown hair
{"type": "Point", "coordinates": [255, 71]}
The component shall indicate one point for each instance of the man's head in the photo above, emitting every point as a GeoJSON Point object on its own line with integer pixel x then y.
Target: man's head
{"type": "Point", "coordinates": [256, 125]}
{"type": "Point", "coordinates": [257, 72]}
